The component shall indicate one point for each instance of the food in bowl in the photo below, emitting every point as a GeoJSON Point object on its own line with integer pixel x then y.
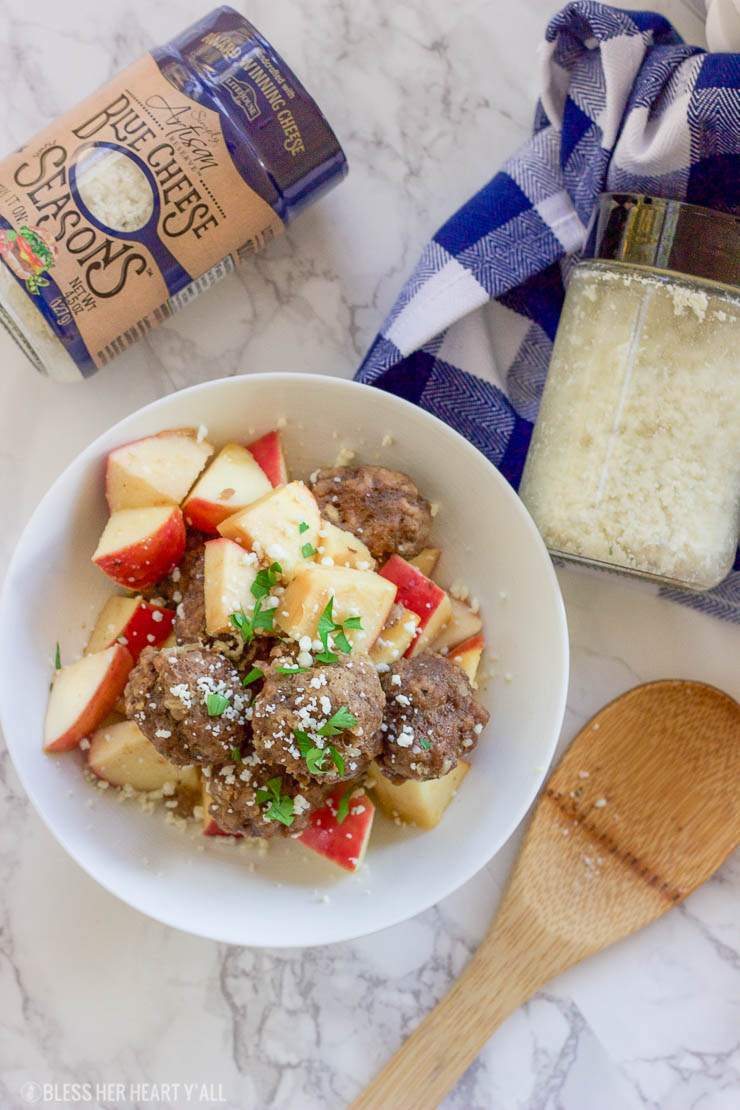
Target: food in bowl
{"type": "Point", "coordinates": [281, 656]}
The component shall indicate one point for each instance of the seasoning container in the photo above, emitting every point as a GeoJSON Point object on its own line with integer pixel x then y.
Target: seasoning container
{"type": "Point", "coordinates": [634, 463]}
{"type": "Point", "coordinates": [153, 189]}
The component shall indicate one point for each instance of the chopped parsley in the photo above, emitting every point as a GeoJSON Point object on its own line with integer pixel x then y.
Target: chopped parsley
{"type": "Point", "coordinates": [336, 759]}
{"type": "Point", "coordinates": [343, 807]}
{"type": "Point", "coordinates": [253, 675]}
{"type": "Point", "coordinates": [215, 704]}
{"type": "Point", "coordinates": [315, 757]}
{"type": "Point", "coordinates": [338, 722]}
{"type": "Point", "coordinates": [281, 805]}
{"type": "Point", "coordinates": [308, 551]}
{"type": "Point", "coordinates": [265, 580]}
{"type": "Point", "coordinates": [292, 670]}
{"type": "Point", "coordinates": [425, 743]}
{"type": "Point", "coordinates": [261, 618]}
{"type": "Point", "coordinates": [58, 658]}
{"type": "Point", "coordinates": [302, 527]}
{"type": "Point", "coordinates": [329, 627]}
{"type": "Point", "coordinates": [236, 755]}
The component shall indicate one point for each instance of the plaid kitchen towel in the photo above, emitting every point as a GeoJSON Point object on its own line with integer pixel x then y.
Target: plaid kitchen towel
{"type": "Point", "coordinates": [626, 106]}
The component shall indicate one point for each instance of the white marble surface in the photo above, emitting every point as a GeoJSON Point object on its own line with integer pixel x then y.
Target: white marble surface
{"type": "Point", "coordinates": [428, 96]}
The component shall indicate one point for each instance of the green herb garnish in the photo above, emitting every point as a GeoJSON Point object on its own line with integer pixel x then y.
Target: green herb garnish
{"type": "Point", "coordinates": [338, 722]}
{"type": "Point", "coordinates": [302, 527]}
{"type": "Point", "coordinates": [253, 675]}
{"type": "Point", "coordinates": [292, 670]}
{"type": "Point", "coordinates": [353, 622]}
{"type": "Point", "coordinates": [341, 641]}
{"type": "Point", "coordinates": [313, 756]}
{"type": "Point", "coordinates": [329, 627]}
{"type": "Point", "coordinates": [265, 580]}
{"type": "Point", "coordinates": [236, 755]}
{"type": "Point", "coordinates": [58, 658]}
{"type": "Point", "coordinates": [215, 704]}
{"type": "Point", "coordinates": [308, 551]}
{"type": "Point", "coordinates": [245, 626]}
{"type": "Point", "coordinates": [343, 807]}
{"type": "Point", "coordinates": [336, 759]}
{"type": "Point", "coordinates": [425, 743]}
{"type": "Point", "coordinates": [281, 805]}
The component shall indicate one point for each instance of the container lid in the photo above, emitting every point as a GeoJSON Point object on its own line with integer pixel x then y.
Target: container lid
{"type": "Point", "coordinates": [667, 235]}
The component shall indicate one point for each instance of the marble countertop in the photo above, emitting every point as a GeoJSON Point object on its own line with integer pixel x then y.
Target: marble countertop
{"type": "Point", "coordinates": [91, 991]}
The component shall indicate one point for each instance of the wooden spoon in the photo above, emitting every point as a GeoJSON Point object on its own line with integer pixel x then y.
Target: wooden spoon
{"type": "Point", "coordinates": [643, 807]}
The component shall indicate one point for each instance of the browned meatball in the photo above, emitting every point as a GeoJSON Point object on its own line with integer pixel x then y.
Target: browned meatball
{"type": "Point", "coordinates": [431, 718]}
{"type": "Point", "coordinates": [235, 806]}
{"type": "Point", "coordinates": [381, 507]}
{"type": "Point", "coordinates": [167, 696]}
{"type": "Point", "coordinates": [305, 702]}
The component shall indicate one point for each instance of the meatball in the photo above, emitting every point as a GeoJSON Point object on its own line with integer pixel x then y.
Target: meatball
{"type": "Point", "coordinates": [431, 718]}
{"type": "Point", "coordinates": [236, 808]}
{"type": "Point", "coordinates": [381, 507]}
{"type": "Point", "coordinates": [168, 697]}
{"type": "Point", "coordinates": [304, 702]}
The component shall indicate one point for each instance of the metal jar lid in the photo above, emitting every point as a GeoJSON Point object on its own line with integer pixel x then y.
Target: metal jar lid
{"type": "Point", "coordinates": [667, 235]}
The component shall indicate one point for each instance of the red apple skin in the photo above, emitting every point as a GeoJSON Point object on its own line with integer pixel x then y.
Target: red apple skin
{"type": "Point", "coordinates": [205, 515]}
{"type": "Point", "coordinates": [100, 704]}
{"type": "Point", "coordinates": [142, 624]}
{"type": "Point", "coordinates": [475, 643]}
{"type": "Point", "coordinates": [141, 565]}
{"type": "Point", "coordinates": [268, 453]}
{"type": "Point", "coordinates": [415, 591]}
{"type": "Point", "coordinates": [342, 844]}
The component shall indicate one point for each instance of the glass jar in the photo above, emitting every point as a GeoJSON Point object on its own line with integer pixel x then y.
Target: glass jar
{"type": "Point", "coordinates": [153, 189]}
{"type": "Point", "coordinates": [634, 463]}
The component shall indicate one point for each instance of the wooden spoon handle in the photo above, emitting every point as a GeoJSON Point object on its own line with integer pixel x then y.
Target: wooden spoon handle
{"type": "Point", "coordinates": [512, 962]}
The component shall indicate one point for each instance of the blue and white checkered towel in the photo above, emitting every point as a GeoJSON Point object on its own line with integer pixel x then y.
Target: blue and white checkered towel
{"type": "Point", "coordinates": [626, 106]}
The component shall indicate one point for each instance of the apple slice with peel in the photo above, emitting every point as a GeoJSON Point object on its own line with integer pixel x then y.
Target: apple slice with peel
{"type": "Point", "coordinates": [394, 639]}
{"type": "Point", "coordinates": [229, 575]}
{"type": "Point", "coordinates": [140, 546]}
{"type": "Point", "coordinates": [133, 622]}
{"type": "Point", "coordinates": [423, 597]}
{"type": "Point", "coordinates": [356, 593]}
{"type": "Point", "coordinates": [415, 802]}
{"type": "Point", "coordinates": [157, 470]}
{"type": "Point", "coordinates": [210, 828]}
{"type": "Point", "coordinates": [82, 696]}
{"type": "Point", "coordinates": [268, 452]}
{"type": "Point", "coordinates": [426, 560]}
{"type": "Point", "coordinates": [467, 655]}
{"type": "Point", "coordinates": [234, 479]}
{"type": "Point", "coordinates": [341, 549]}
{"type": "Point", "coordinates": [463, 626]}
{"type": "Point", "coordinates": [121, 754]}
{"type": "Point", "coordinates": [279, 527]}
{"type": "Point", "coordinates": [345, 842]}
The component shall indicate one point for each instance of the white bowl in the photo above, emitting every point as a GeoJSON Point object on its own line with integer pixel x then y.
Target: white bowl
{"type": "Point", "coordinates": [195, 883]}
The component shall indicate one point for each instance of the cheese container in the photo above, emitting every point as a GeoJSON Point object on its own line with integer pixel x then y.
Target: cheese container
{"type": "Point", "coordinates": [634, 463]}
{"type": "Point", "coordinates": [153, 189]}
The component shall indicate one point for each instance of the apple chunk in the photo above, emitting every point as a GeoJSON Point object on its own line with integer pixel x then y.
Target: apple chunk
{"type": "Point", "coordinates": [463, 625]}
{"type": "Point", "coordinates": [356, 593]}
{"type": "Point", "coordinates": [140, 546]}
{"type": "Point", "coordinates": [83, 695]}
{"type": "Point", "coordinates": [343, 843]}
{"type": "Point", "coordinates": [415, 802]}
{"type": "Point", "coordinates": [234, 479]}
{"type": "Point", "coordinates": [122, 755]}
{"type": "Point", "coordinates": [395, 638]}
{"type": "Point", "coordinates": [278, 527]}
{"type": "Point", "coordinates": [157, 470]}
{"type": "Point", "coordinates": [467, 655]}
{"type": "Point", "coordinates": [426, 560]}
{"type": "Point", "coordinates": [342, 548]}
{"type": "Point", "coordinates": [423, 597]}
{"type": "Point", "coordinates": [133, 622]}
{"type": "Point", "coordinates": [268, 452]}
{"type": "Point", "coordinates": [229, 575]}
